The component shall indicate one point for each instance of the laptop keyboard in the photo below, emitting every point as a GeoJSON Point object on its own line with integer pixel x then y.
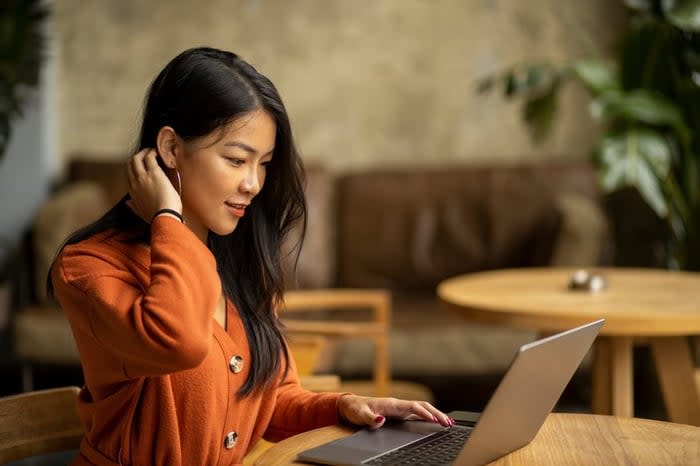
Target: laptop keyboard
{"type": "Point", "coordinates": [438, 449]}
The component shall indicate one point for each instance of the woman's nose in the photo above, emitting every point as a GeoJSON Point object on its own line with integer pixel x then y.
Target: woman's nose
{"type": "Point", "coordinates": [251, 183]}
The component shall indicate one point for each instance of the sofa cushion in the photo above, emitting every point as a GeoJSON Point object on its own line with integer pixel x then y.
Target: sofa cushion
{"type": "Point", "coordinates": [43, 334]}
{"type": "Point", "coordinates": [410, 229]}
{"type": "Point", "coordinates": [317, 261]}
{"type": "Point", "coordinates": [108, 174]}
{"type": "Point", "coordinates": [461, 349]}
{"type": "Point", "coordinates": [583, 237]}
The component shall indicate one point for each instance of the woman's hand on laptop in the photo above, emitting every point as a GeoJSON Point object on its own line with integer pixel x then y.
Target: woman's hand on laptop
{"type": "Point", "coordinates": [372, 412]}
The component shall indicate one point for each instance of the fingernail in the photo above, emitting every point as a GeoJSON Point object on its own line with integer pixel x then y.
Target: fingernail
{"type": "Point", "coordinates": [435, 419]}
{"type": "Point", "coordinates": [378, 419]}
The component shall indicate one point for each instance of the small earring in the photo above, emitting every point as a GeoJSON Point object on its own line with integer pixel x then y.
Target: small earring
{"type": "Point", "coordinates": [179, 183]}
{"type": "Point", "coordinates": [179, 190]}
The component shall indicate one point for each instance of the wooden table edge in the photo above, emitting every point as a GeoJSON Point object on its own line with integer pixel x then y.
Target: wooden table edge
{"type": "Point", "coordinates": [555, 321]}
{"type": "Point", "coordinates": [285, 452]}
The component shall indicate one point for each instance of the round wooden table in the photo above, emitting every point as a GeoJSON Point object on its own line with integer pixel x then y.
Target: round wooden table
{"type": "Point", "coordinates": [570, 439]}
{"type": "Point", "coordinates": [653, 306]}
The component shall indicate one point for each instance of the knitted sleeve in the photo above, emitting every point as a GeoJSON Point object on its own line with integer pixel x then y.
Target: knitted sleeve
{"type": "Point", "coordinates": [162, 328]}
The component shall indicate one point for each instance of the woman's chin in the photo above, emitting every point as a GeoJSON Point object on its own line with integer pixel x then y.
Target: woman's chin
{"type": "Point", "coordinates": [225, 229]}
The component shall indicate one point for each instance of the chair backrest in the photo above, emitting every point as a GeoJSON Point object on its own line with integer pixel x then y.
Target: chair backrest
{"type": "Point", "coordinates": [375, 329]}
{"type": "Point", "coordinates": [306, 350]}
{"type": "Point", "coordinates": [39, 422]}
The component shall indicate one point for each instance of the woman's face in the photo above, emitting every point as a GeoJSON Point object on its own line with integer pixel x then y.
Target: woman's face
{"type": "Point", "coordinates": [222, 172]}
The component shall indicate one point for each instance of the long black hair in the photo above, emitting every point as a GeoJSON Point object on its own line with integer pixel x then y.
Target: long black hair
{"type": "Point", "coordinates": [198, 92]}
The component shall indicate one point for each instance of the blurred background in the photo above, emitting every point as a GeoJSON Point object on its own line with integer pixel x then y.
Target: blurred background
{"type": "Point", "coordinates": [369, 86]}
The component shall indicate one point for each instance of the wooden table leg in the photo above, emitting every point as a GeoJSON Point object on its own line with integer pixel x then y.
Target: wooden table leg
{"type": "Point", "coordinates": [622, 377]}
{"type": "Point", "coordinates": [613, 389]}
{"type": "Point", "coordinates": [600, 396]}
{"type": "Point", "coordinates": [674, 367]}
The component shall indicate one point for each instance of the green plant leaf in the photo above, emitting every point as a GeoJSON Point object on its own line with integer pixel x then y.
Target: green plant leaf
{"type": "Point", "coordinates": [516, 81]}
{"type": "Point", "coordinates": [640, 5]}
{"type": "Point", "coordinates": [692, 178]}
{"type": "Point", "coordinates": [485, 85]}
{"type": "Point", "coordinates": [537, 74]}
{"type": "Point", "coordinates": [684, 14]}
{"type": "Point", "coordinates": [692, 59]}
{"type": "Point", "coordinates": [640, 158]}
{"type": "Point", "coordinates": [539, 112]}
{"type": "Point", "coordinates": [649, 50]}
{"type": "Point", "coordinates": [597, 75]}
{"type": "Point", "coordinates": [510, 84]}
{"type": "Point", "coordinates": [640, 106]}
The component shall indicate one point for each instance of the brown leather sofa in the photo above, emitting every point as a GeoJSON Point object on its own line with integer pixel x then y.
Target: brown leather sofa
{"type": "Point", "coordinates": [406, 229]}
{"type": "Point", "coordinates": [403, 229]}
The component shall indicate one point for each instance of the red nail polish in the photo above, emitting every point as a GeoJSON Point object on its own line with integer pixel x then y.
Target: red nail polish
{"type": "Point", "coordinates": [378, 419]}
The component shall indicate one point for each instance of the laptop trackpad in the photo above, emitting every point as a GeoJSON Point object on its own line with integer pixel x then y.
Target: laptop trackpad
{"type": "Point", "coordinates": [368, 443]}
{"type": "Point", "coordinates": [391, 436]}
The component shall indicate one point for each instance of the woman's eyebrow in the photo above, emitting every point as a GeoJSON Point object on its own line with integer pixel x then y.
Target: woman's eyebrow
{"type": "Point", "coordinates": [245, 147]}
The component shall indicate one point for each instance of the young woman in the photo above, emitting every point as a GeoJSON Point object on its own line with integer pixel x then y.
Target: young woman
{"type": "Point", "coordinates": [171, 295]}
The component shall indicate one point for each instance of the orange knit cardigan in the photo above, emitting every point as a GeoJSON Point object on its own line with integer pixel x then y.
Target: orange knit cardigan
{"type": "Point", "coordinates": [161, 375]}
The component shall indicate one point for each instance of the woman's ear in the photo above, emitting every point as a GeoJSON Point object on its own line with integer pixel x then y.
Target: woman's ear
{"type": "Point", "coordinates": [167, 145]}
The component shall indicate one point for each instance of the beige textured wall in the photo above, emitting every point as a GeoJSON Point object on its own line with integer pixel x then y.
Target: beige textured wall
{"type": "Point", "coordinates": [366, 82]}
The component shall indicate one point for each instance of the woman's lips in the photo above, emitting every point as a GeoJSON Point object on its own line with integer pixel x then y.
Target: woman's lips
{"type": "Point", "coordinates": [237, 210]}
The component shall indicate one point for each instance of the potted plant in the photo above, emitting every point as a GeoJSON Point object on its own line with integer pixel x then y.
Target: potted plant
{"type": "Point", "coordinates": [648, 102]}
{"type": "Point", "coordinates": [22, 45]}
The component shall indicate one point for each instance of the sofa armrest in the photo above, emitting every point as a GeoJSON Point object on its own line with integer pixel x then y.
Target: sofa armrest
{"type": "Point", "coordinates": [73, 207]}
{"type": "Point", "coordinates": [582, 239]}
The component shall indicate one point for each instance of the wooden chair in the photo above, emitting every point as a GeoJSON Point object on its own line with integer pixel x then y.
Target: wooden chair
{"type": "Point", "coordinates": [39, 422]}
{"type": "Point", "coordinates": [328, 300]}
{"type": "Point", "coordinates": [309, 338]}
{"type": "Point", "coordinates": [307, 350]}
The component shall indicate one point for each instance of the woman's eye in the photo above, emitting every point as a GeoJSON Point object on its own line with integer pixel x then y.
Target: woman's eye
{"type": "Point", "coordinates": [235, 161]}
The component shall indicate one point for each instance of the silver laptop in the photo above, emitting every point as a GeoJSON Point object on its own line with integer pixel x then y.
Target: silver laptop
{"type": "Point", "coordinates": [524, 398]}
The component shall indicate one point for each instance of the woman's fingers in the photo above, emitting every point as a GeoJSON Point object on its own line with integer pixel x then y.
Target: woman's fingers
{"type": "Point", "coordinates": [149, 187]}
{"type": "Point", "coordinates": [131, 169]}
{"type": "Point", "coordinates": [150, 160]}
{"type": "Point", "coordinates": [421, 411]}
{"type": "Point", "coordinates": [372, 411]}
{"type": "Point", "coordinates": [140, 162]}
{"type": "Point", "coordinates": [370, 418]}
{"type": "Point", "coordinates": [405, 409]}
{"type": "Point", "coordinates": [136, 162]}
{"type": "Point", "coordinates": [360, 410]}
{"type": "Point", "coordinates": [136, 179]}
{"type": "Point", "coordinates": [438, 415]}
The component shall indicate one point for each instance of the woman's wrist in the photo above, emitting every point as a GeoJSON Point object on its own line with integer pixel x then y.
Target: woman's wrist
{"type": "Point", "coordinates": [170, 212]}
{"type": "Point", "coordinates": [341, 406]}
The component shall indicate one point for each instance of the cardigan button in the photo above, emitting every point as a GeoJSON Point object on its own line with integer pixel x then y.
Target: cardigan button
{"type": "Point", "coordinates": [230, 440]}
{"type": "Point", "coordinates": [236, 364]}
